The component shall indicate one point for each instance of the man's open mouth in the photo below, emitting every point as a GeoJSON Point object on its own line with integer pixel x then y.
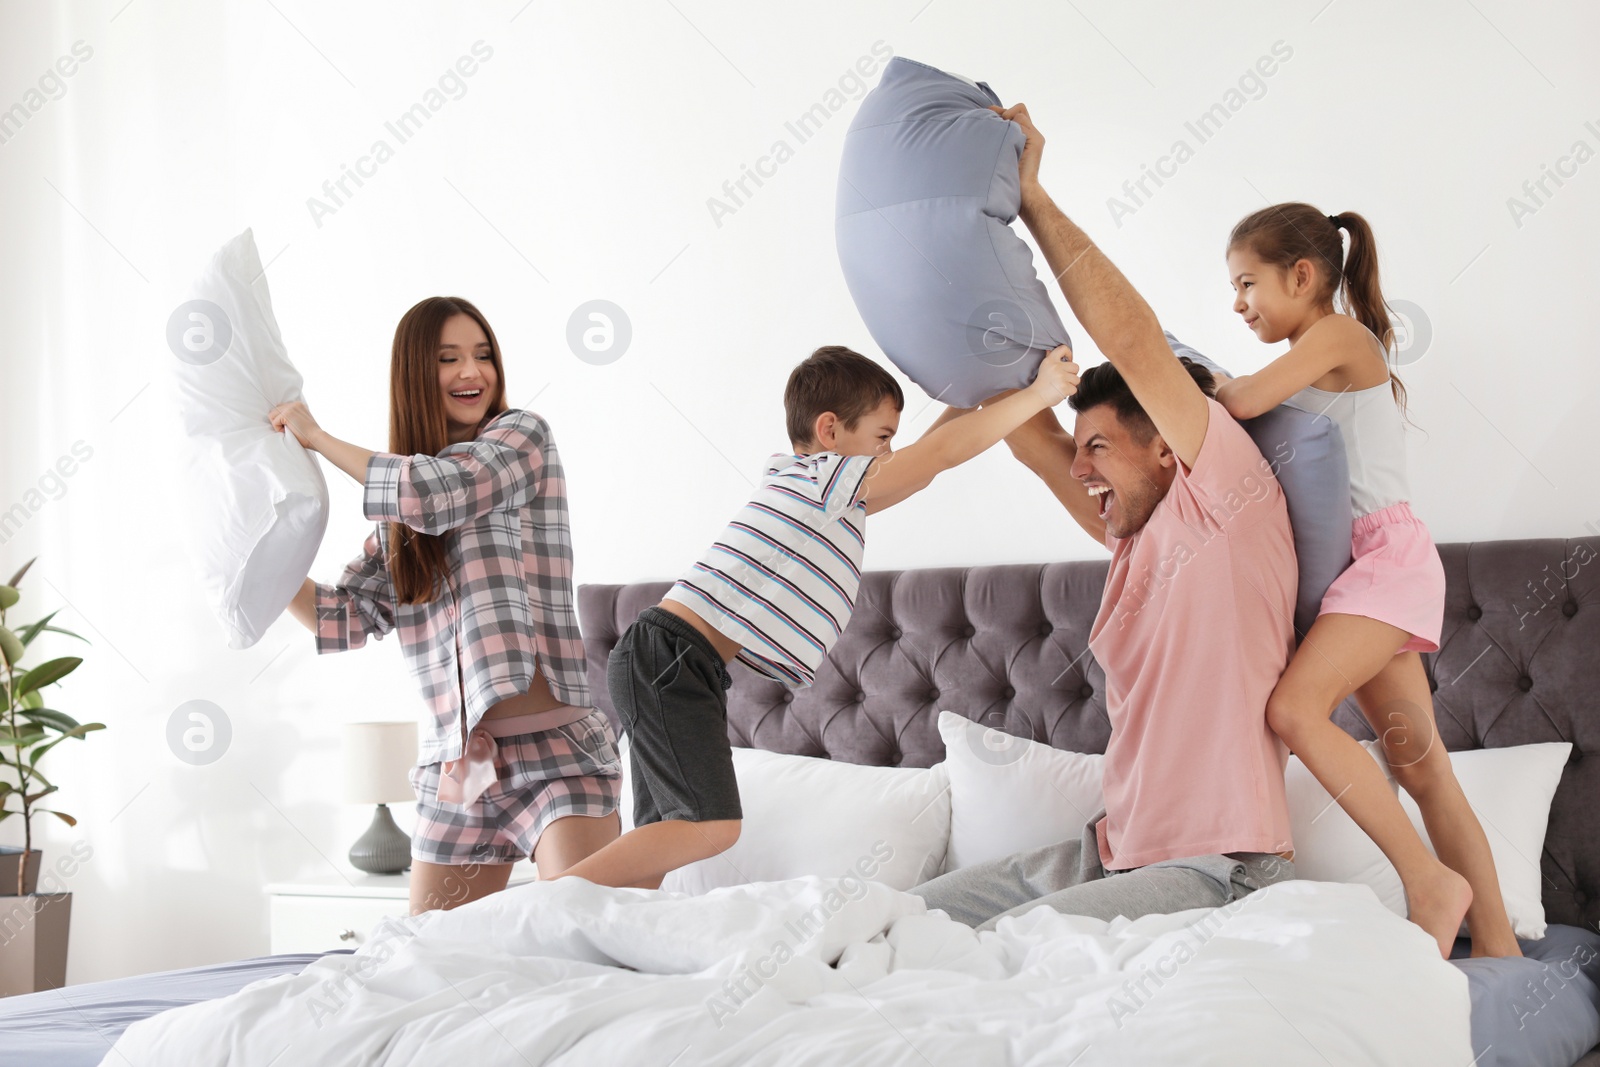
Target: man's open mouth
{"type": "Point", "coordinates": [1104, 494]}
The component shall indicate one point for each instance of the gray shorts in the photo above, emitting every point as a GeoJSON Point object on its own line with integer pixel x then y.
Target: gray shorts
{"type": "Point", "coordinates": [1068, 877]}
{"type": "Point", "coordinates": [669, 688]}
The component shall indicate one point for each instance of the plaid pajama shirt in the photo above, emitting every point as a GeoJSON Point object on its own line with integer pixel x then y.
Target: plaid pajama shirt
{"type": "Point", "coordinates": [500, 501]}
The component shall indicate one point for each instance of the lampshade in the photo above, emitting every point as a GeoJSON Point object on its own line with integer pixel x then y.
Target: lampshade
{"type": "Point", "coordinates": [378, 757]}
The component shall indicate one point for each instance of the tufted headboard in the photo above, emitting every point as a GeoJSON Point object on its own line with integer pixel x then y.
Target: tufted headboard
{"type": "Point", "coordinates": [1007, 646]}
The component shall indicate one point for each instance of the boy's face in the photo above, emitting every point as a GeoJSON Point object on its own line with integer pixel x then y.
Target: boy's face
{"type": "Point", "coordinates": [870, 436]}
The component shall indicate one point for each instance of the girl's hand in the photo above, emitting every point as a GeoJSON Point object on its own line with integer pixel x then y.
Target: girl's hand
{"type": "Point", "coordinates": [296, 417]}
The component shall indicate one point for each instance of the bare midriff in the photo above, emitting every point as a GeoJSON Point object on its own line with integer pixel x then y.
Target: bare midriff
{"type": "Point", "coordinates": [526, 713]}
{"type": "Point", "coordinates": [726, 647]}
{"type": "Point", "coordinates": [538, 698]}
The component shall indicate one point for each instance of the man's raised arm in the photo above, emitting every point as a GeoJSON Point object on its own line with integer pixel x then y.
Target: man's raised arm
{"type": "Point", "coordinates": [1111, 310]}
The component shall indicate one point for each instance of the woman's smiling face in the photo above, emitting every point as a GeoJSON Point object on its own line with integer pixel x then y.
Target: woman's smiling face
{"type": "Point", "coordinates": [467, 376]}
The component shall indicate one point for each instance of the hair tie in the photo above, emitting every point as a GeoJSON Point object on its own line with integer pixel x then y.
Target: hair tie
{"type": "Point", "coordinates": [1335, 220]}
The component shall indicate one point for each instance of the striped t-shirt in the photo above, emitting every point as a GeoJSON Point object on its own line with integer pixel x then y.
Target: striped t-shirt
{"type": "Point", "coordinates": [782, 578]}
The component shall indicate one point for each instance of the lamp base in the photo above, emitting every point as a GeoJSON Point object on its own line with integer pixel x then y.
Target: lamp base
{"type": "Point", "coordinates": [384, 848]}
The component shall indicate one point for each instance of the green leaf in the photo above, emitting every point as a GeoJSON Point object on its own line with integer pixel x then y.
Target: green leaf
{"type": "Point", "coordinates": [16, 579]}
{"type": "Point", "coordinates": [55, 720]}
{"type": "Point", "coordinates": [9, 596]}
{"type": "Point", "coordinates": [47, 673]}
{"type": "Point", "coordinates": [11, 647]}
{"type": "Point", "coordinates": [32, 700]}
{"type": "Point", "coordinates": [41, 793]}
{"type": "Point", "coordinates": [30, 631]}
{"type": "Point", "coordinates": [35, 776]}
{"type": "Point", "coordinates": [21, 739]}
{"type": "Point", "coordinates": [34, 629]}
{"type": "Point", "coordinates": [6, 787]}
{"type": "Point", "coordinates": [76, 731]}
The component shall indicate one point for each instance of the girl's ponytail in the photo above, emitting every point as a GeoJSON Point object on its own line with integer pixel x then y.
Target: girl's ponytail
{"type": "Point", "coordinates": [1361, 294]}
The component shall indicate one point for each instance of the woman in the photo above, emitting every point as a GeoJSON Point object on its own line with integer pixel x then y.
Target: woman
{"type": "Point", "coordinates": [472, 562]}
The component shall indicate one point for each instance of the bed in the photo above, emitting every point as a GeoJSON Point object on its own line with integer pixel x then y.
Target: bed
{"type": "Point", "coordinates": [1004, 645]}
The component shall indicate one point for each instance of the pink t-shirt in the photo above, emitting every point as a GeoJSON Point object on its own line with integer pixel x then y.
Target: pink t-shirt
{"type": "Point", "coordinates": [1194, 629]}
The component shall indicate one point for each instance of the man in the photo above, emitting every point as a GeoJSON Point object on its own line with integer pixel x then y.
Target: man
{"type": "Point", "coordinates": [1194, 627]}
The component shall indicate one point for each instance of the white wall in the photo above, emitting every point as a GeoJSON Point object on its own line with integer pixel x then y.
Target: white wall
{"type": "Point", "coordinates": [578, 165]}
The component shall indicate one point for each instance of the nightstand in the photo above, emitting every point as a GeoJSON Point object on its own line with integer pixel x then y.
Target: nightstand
{"type": "Point", "coordinates": [319, 915]}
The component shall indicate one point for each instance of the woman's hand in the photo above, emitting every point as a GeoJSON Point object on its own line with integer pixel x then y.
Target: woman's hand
{"type": "Point", "coordinates": [1032, 150]}
{"type": "Point", "coordinates": [303, 608]}
{"type": "Point", "coordinates": [297, 418]}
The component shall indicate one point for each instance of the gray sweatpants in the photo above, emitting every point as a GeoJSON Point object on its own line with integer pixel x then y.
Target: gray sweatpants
{"type": "Point", "coordinates": [1068, 877]}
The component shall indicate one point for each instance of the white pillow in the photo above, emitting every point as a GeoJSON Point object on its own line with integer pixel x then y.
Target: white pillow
{"type": "Point", "coordinates": [258, 498]}
{"type": "Point", "coordinates": [625, 799]}
{"type": "Point", "coordinates": [1008, 794]}
{"type": "Point", "coordinates": [1510, 790]}
{"type": "Point", "coordinates": [821, 817]}
{"type": "Point", "coordinates": [1328, 845]}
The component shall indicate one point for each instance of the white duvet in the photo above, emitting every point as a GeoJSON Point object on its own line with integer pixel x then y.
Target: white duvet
{"type": "Point", "coordinates": [836, 971]}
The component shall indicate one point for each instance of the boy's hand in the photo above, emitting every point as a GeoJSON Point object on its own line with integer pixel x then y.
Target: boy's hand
{"type": "Point", "coordinates": [1058, 376]}
{"type": "Point", "coordinates": [961, 438]}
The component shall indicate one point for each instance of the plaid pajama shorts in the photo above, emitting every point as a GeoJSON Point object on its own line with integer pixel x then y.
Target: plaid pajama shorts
{"type": "Point", "coordinates": [539, 778]}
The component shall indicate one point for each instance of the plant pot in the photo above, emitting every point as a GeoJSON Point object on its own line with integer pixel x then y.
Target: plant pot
{"type": "Point", "coordinates": [10, 858]}
{"type": "Point", "coordinates": [33, 942]}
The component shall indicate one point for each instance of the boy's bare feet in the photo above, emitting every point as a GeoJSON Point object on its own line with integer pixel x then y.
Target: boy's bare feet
{"type": "Point", "coordinates": [1439, 904]}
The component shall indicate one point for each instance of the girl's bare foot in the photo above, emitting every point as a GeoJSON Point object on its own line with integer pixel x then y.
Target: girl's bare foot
{"type": "Point", "coordinates": [1439, 904]}
{"type": "Point", "coordinates": [1506, 945]}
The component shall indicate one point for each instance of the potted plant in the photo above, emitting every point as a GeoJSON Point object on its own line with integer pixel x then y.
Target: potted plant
{"type": "Point", "coordinates": [33, 925]}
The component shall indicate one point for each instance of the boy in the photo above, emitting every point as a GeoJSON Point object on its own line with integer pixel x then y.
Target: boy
{"type": "Point", "coordinates": [773, 592]}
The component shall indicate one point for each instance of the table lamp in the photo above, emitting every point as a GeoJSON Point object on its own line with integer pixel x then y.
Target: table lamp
{"type": "Point", "coordinates": [378, 757]}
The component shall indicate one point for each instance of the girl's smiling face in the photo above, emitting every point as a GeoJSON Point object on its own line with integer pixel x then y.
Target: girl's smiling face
{"type": "Point", "coordinates": [1274, 301]}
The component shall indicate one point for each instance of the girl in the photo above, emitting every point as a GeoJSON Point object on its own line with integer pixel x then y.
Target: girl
{"type": "Point", "coordinates": [1287, 263]}
{"type": "Point", "coordinates": [471, 561]}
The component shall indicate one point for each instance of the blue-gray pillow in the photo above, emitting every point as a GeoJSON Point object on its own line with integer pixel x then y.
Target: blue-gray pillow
{"type": "Point", "coordinates": [1557, 979]}
{"type": "Point", "coordinates": [928, 187]}
{"type": "Point", "coordinates": [1307, 455]}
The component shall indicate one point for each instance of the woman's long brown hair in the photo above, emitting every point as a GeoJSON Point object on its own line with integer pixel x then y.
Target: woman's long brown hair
{"type": "Point", "coordinates": [1284, 234]}
{"type": "Point", "coordinates": [417, 426]}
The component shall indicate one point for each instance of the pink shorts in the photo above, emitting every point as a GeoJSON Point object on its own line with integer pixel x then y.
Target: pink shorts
{"type": "Point", "coordinates": [1396, 577]}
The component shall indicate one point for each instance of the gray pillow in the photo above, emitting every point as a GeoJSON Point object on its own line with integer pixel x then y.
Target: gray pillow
{"type": "Point", "coordinates": [928, 187]}
{"type": "Point", "coordinates": [1307, 454]}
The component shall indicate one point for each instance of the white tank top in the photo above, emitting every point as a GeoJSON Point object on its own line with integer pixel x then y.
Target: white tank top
{"type": "Point", "coordinates": [1374, 442]}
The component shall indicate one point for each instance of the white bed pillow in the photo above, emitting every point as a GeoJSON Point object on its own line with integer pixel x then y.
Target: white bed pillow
{"type": "Point", "coordinates": [258, 499]}
{"type": "Point", "coordinates": [809, 816]}
{"type": "Point", "coordinates": [1510, 789]}
{"type": "Point", "coordinates": [1008, 794]}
